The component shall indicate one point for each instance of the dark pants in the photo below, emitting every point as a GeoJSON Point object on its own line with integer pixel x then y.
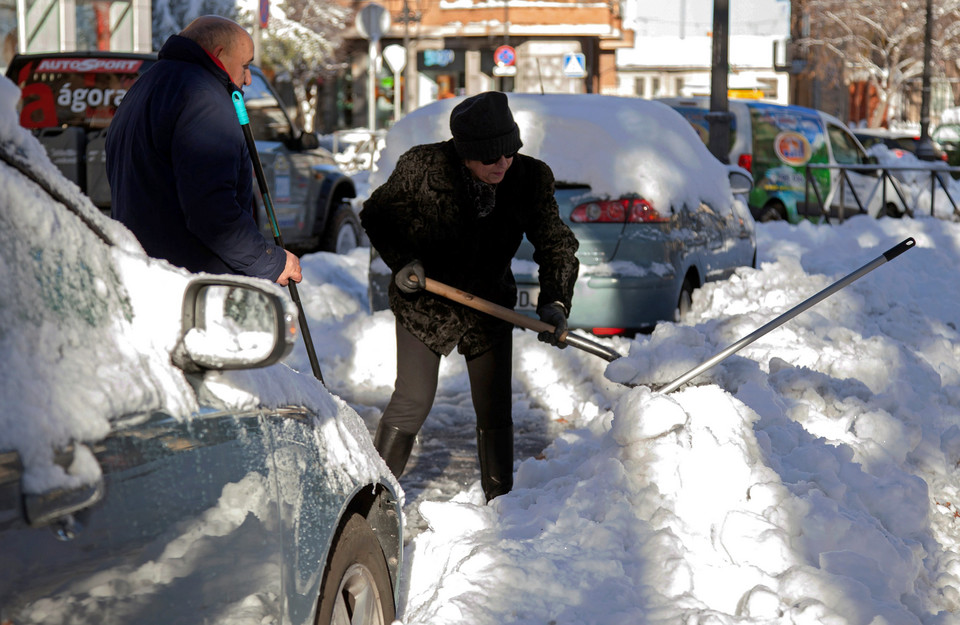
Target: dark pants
{"type": "Point", "coordinates": [418, 368]}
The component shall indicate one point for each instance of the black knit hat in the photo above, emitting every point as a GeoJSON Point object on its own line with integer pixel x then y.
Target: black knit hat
{"type": "Point", "coordinates": [483, 127]}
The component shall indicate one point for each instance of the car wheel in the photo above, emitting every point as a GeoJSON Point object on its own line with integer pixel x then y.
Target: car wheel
{"type": "Point", "coordinates": [356, 587]}
{"type": "Point", "coordinates": [684, 302]}
{"type": "Point", "coordinates": [343, 232]}
{"type": "Point", "coordinates": [890, 210]}
{"type": "Point", "coordinates": [774, 211]}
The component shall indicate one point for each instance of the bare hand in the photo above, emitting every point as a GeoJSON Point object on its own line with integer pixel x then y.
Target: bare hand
{"type": "Point", "coordinates": [291, 270]}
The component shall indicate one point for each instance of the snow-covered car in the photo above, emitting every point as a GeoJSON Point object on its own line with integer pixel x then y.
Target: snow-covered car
{"type": "Point", "coordinates": [654, 212]}
{"type": "Point", "coordinates": [69, 99]}
{"type": "Point", "coordinates": [158, 464]}
{"type": "Point", "coordinates": [947, 135]}
{"type": "Point", "coordinates": [899, 142]}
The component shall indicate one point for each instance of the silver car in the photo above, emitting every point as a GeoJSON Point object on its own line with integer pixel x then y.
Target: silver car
{"type": "Point", "coordinates": [156, 466]}
{"type": "Point", "coordinates": [655, 214]}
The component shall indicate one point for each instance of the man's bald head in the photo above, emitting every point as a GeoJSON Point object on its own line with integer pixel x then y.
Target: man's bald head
{"type": "Point", "coordinates": [212, 31]}
{"type": "Point", "coordinates": [226, 41]}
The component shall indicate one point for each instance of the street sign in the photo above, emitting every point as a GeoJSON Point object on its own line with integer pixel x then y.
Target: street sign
{"type": "Point", "coordinates": [504, 70]}
{"type": "Point", "coordinates": [574, 65]}
{"type": "Point", "coordinates": [372, 21]}
{"type": "Point", "coordinates": [504, 56]}
{"type": "Point", "coordinates": [395, 56]}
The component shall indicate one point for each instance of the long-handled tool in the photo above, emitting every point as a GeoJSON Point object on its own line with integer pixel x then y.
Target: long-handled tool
{"type": "Point", "coordinates": [518, 319]}
{"type": "Point", "coordinates": [271, 215]}
{"type": "Point", "coordinates": [890, 254]}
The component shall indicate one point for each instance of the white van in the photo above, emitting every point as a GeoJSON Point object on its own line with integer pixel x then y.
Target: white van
{"type": "Point", "coordinates": [777, 143]}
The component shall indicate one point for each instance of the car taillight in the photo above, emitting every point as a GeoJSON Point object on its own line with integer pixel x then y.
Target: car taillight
{"type": "Point", "coordinates": [624, 210]}
{"type": "Point", "coordinates": [943, 157]}
{"type": "Point", "coordinates": [608, 331]}
{"type": "Point", "coordinates": [746, 161]}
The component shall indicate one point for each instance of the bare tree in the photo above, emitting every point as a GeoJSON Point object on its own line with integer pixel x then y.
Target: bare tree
{"type": "Point", "coordinates": [170, 16]}
{"type": "Point", "coordinates": [880, 42]}
{"type": "Point", "coordinates": [304, 45]}
{"type": "Point", "coordinates": [300, 45]}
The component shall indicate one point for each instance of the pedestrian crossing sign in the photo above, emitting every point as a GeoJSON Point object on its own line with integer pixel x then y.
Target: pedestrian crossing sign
{"type": "Point", "coordinates": [574, 65]}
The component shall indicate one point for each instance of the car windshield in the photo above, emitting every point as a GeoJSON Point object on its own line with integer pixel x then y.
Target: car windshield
{"type": "Point", "coordinates": [268, 122]}
{"type": "Point", "coordinates": [845, 149]}
{"type": "Point", "coordinates": [79, 92]}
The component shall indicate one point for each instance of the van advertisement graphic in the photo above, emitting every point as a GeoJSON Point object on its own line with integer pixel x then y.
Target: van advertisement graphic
{"type": "Point", "coordinates": [785, 141]}
{"type": "Point", "coordinates": [792, 148]}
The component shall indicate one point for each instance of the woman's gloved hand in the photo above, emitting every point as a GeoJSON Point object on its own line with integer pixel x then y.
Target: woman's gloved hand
{"type": "Point", "coordinates": [555, 314]}
{"type": "Point", "coordinates": [411, 278]}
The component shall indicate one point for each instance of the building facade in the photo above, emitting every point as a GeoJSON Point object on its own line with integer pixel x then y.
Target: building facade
{"type": "Point", "coordinates": [64, 25]}
{"type": "Point", "coordinates": [463, 47]}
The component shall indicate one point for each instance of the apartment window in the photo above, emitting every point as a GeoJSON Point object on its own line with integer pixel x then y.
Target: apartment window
{"type": "Point", "coordinates": [654, 86]}
{"type": "Point", "coordinates": [640, 86]}
{"type": "Point", "coordinates": [678, 86]}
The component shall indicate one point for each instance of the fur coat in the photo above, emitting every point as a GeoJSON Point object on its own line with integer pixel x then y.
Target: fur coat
{"type": "Point", "coordinates": [427, 210]}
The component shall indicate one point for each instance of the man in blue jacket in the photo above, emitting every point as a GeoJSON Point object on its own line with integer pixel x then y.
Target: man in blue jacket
{"type": "Point", "coordinates": [180, 172]}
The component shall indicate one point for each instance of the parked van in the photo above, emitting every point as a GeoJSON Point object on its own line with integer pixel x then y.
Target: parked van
{"type": "Point", "coordinates": [776, 142]}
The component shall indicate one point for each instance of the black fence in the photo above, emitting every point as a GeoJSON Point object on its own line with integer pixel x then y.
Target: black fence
{"type": "Point", "coordinates": [886, 182]}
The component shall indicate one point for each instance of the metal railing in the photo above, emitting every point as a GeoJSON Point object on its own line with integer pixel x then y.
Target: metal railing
{"type": "Point", "coordinates": [938, 176]}
{"type": "Point", "coordinates": [357, 149]}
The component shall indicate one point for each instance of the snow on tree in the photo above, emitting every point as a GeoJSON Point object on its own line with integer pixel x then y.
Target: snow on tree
{"type": "Point", "coordinates": [881, 41]}
{"type": "Point", "coordinates": [300, 43]}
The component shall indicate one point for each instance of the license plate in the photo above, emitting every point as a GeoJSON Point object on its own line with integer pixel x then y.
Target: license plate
{"type": "Point", "coordinates": [527, 297]}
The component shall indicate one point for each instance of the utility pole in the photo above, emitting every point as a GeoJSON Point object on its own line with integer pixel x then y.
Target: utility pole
{"type": "Point", "coordinates": [719, 116]}
{"type": "Point", "coordinates": [925, 146]}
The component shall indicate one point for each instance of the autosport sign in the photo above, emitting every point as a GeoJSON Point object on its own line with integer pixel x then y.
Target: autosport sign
{"type": "Point", "coordinates": [90, 65]}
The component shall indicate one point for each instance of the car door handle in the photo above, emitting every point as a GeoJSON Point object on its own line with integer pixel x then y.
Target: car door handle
{"type": "Point", "coordinates": [46, 508]}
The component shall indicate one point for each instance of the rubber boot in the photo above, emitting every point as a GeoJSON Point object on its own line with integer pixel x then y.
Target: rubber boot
{"type": "Point", "coordinates": [495, 449]}
{"type": "Point", "coordinates": [394, 447]}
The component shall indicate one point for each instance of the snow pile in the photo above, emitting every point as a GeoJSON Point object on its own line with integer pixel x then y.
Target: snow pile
{"type": "Point", "coordinates": [816, 484]}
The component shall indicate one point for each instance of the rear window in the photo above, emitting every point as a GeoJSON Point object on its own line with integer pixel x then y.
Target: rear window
{"type": "Point", "coordinates": [80, 92]}
{"type": "Point", "coordinates": [698, 119]}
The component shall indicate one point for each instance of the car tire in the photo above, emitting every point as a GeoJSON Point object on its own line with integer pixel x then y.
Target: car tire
{"type": "Point", "coordinates": [774, 211]}
{"type": "Point", "coordinates": [356, 584]}
{"type": "Point", "coordinates": [342, 234]}
{"type": "Point", "coordinates": [890, 210]}
{"type": "Point", "coordinates": [684, 301]}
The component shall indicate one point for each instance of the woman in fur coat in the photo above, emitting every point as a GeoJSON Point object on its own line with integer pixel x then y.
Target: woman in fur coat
{"type": "Point", "coordinates": [456, 211]}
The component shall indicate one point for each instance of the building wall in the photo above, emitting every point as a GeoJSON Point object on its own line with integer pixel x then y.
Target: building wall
{"type": "Point", "coordinates": [451, 46]}
{"type": "Point", "coordinates": [64, 25]}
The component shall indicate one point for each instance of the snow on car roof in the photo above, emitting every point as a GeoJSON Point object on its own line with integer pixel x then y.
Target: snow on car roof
{"type": "Point", "coordinates": [615, 144]}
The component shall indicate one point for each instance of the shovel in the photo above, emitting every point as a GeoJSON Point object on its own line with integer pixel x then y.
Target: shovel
{"type": "Point", "coordinates": [610, 355]}
{"type": "Point", "coordinates": [517, 319]}
{"type": "Point", "coordinates": [244, 119]}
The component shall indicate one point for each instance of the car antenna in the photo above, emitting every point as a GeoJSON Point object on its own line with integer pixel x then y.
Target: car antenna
{"type": "Point", "coordinates": [271, 215]}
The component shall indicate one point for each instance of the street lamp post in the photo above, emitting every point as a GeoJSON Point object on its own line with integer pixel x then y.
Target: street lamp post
{"type": "Point", "coordinates": [925, 146]}
{"type": "Point", "coordinates": [719, 116]}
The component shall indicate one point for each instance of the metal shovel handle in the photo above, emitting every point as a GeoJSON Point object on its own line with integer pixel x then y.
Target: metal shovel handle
{"type": "Point", "coordinates": [889, 255]}
{"type": "Point", "coordinates": [517, 319]}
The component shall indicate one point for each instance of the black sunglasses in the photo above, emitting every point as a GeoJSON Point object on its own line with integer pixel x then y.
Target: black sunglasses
{"type": "Point", "coordinates": [494, 161]}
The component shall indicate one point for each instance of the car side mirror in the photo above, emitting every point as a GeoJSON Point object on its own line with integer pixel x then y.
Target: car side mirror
{"type": "Point", "coordinates": [740, 181]}
{"type": "Point", "coordinates": [231, 323]}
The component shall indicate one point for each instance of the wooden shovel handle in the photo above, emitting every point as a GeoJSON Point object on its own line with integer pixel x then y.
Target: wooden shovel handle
{"type": "Point", "coordinates": [498, 311]}
{"type": "Point", "coordinates": [517, 319]}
